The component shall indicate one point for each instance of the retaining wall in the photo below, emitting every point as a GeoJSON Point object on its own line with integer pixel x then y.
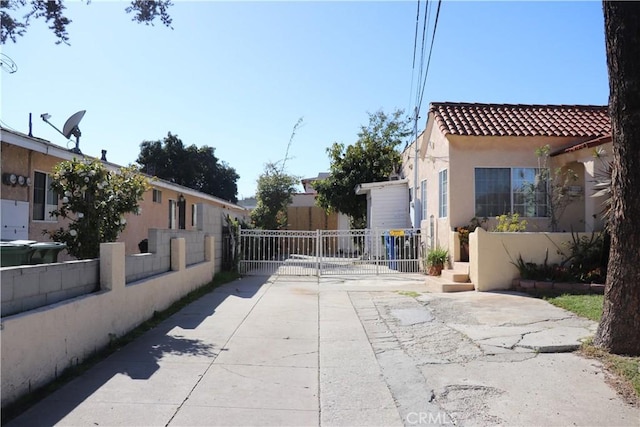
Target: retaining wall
{"type": "Point", "coordinates": [39, 344]}
{"type": "Point", "coordinates": [491, 255]}
{"type": "Point", "coordinates": [31, 286]}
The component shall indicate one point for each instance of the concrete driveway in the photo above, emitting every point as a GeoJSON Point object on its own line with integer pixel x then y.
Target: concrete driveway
{"type": "Point", "coordinates": [346, 351]}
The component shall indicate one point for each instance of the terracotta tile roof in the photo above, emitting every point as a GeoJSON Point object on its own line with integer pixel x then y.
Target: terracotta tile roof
{"type": "Point", "coordinates": [582, 145]}
{"type": "Point", "coordinates": [521, 120]}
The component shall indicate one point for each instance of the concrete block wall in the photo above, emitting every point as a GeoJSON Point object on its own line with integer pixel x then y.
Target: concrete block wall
{"type": "Point", "coordinates": [40, 344]}
{"type": "Point", "coordinates": [159, 245]}
{"type": "Point", "coordinates": [158, 260]}
{"type": "Point", "coordinates": [32, 286]}
{"type": "Point", "coordinates": [139, 266]}
{"type": "Point", "coordinates": [210, 220]}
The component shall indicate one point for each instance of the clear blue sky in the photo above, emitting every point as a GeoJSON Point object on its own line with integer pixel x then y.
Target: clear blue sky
{"type": "Point", "coordinates": [237, 76]}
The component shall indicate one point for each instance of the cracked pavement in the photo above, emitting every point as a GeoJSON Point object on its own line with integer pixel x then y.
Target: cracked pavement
{"type": "Point", "coordinates": [486, 359]}
{"type": "Point", "coordinates": [346, 351]}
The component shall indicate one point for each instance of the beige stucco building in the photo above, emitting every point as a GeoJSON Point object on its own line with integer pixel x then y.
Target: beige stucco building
{"type": "Point", "coordinates": [26, 203]}
{"type": "Point", "coordinates": [474, 160]}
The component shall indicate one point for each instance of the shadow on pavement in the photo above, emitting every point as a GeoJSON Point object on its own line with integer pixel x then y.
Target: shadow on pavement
{"type": "Point", "coordinates": [139, 360]}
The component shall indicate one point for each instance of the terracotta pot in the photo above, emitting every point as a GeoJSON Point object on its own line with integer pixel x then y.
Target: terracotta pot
{"type": "Point", "coordinates": [464, 252]}
{"type": "Point", "coordinates": [435, 270]}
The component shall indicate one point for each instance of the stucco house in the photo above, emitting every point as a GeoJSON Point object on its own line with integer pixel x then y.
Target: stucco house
{"type": "Point", "coordinates": [473, 160]}
{"type": "Point", "coordinates": [27, 200]}
{"type": "Point", "coordinates": [387, 204]}
{"type": "Point", "coordinates": [304, 214]}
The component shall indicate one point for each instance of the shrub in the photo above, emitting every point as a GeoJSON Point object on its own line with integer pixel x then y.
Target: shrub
{"type": "Point", "coordinates": [586, 263]}
{"type": "Point", "coordinates": [437, 256]}
{"type": "Point", "coordinates": [95, 201]}
{"type": "Point", "coordinates": [510, 223]}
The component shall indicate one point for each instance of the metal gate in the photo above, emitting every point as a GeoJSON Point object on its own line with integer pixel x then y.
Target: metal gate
{"type": "Point", "coordinates": [329, 252]}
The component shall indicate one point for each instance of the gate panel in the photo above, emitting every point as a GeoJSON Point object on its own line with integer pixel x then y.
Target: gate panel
{"type": "Point", "coordinates": [329, 252]}
{"type": "Point", "coordinates": [346, 252]}
{"type": "Point", "coordinates": [368, 252]}
{"type": "Point", "coordinates": [267, 252]}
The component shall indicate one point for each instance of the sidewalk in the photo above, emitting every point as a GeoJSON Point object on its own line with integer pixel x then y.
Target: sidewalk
{"type": "Point", "coordinates": [345, 351]}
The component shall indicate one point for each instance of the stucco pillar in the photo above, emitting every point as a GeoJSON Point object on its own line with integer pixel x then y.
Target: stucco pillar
{"type": "Point", "coordinates": [209, 248]}
{"type": "Point", "coordinates": [178, 254]}
{"type": "Point", "coordinates": [112, 267]}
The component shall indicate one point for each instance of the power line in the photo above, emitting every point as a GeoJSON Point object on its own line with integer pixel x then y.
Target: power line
{"type": "Point", "coordinates": [433, 36]}
{"type": "Point", "coordinates": [415, 45]}
{"type": "Point", "coordinates": [415, 37]}
{"type": "Point", "coordinates": [422, 49]}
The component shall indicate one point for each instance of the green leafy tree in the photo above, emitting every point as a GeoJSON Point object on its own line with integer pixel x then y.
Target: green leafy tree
{"type": "Point", "coordinates": [372, 158]}
{"type": "Point", "coordinates": [273, 195]}
{"type": "Point", "coordinates": [95, 201]}
{"type": "Point", "coordinates": [192, 167]}
{"type": "Point", "coordinates": [16, 16]}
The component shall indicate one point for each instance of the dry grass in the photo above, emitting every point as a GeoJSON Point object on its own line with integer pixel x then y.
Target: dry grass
{"type": "Point", "coordinates": [623, 371]}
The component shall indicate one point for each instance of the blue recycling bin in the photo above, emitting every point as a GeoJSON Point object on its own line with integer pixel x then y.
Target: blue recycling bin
{"type": "Point", "coordinates": [390, 247]}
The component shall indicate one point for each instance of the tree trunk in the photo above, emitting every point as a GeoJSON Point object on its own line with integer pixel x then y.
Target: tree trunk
{"type": "Point", "coordinates": [619, 329]}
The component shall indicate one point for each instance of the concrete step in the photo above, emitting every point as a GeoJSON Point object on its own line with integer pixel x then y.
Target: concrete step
{"type": "Point", "coordinates": [438, 284]}
{"type": "Point", "coordinates": [455, 276]}
{"type": "Point", "coordinates": [458, 287]}
{"type": "Point", "coordinates": [461, 266]}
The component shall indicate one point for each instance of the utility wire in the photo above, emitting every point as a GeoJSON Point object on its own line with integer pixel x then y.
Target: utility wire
{"type": "Point", "coordinates": [433, 36]}
{"type": "Point", "coordinates": [415, 37]}
{"type": "Point", "coordinates": [422, 49]}
{"type": "Point", "coordinates": [415, 46]}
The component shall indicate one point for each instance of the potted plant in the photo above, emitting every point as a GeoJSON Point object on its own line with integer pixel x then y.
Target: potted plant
{"type": "Point", "coordinates": [463, 237]}
{"type": "Point", "coordinates": [436, 259]}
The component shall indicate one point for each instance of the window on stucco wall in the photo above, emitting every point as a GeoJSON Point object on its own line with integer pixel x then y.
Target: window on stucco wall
{"type": "Point", "coordinates": [501, 191]}
{"type": "Point", "coordinates": [157, 196]}
{"type": "Point", "coordinates": [45, 200]}
{"type": "Point", "coordinates": [423, 198]}
{"type": "Point", "coordinates": [172, 214]}
{"type": "Point", "coordinates": [443, 180]}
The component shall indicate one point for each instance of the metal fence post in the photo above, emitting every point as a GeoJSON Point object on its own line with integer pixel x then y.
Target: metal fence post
{"type": "Point", "coordinates": [318, 253]}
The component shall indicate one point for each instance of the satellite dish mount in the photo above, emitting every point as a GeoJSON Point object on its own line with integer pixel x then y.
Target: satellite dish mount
{"type": "Point", "coordinates": [70, 128]}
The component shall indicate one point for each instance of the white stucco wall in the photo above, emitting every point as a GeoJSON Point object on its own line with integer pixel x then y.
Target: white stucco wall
{"type": "Point", "coordinates": [38, 345]}
{"type": "Point", "coordinates": [491, 255]}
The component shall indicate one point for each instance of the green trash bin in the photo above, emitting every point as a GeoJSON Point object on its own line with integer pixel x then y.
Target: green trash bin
{"type": "Point", "coordinates": [12, 254]}
{"type": "Point", "coordinates": [46, 252]}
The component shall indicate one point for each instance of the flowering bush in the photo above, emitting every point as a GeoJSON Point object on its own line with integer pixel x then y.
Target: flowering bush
{"type": "Point", "coordinates": [510, 223]}
{"type": "Point", "coordinates": [95, 200]}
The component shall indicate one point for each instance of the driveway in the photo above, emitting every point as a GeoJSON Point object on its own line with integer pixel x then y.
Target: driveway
{"type": "Point", "coordinates": [346, 351]}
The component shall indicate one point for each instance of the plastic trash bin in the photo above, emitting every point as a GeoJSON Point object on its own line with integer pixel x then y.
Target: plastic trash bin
{"type": "Point", "coordinates": [46, 252]}
{"type": "Point", "coordinates": [12, 254]}
{"type": "Point", "coordinates": [390, 246]}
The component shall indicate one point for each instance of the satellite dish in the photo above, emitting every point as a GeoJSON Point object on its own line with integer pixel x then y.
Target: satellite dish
{"type": "Point", "coordinates": [71, 125]}
{"type": "Point", "coordinates": [7, 64]}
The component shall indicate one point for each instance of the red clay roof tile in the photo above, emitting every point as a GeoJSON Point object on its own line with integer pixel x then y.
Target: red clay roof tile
{"type": "Point", "coordinates": [587, 144]}
{"type": "Point", "coordinates": [521, 120]}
